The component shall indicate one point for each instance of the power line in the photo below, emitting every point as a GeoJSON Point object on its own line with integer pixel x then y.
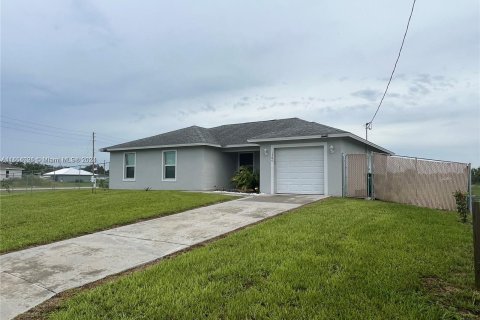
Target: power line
{"type": "Point", "coordinates": [48, 143]}
{"type": "Point", "coordinates": [85, 133]}
{"type": "Point", "coordinates": [113, 137]}
{"type": "Point", "coordinates": [106, 139]}
{"type": "Point", "coordinates": [54, 131]}
{"type": "Point", "coordinates": [39, 132]}
{"type": "Point", "coordinates": [368, 125]}
{"type": "Point", "coordinates": [27, 125]}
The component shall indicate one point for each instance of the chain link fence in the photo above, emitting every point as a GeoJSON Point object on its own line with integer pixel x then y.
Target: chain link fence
{"type": "Point", "coordinates": [421, 182]}
{"type": "Point", "coordinates": [21, 180]}
{"type": "Point", "coordinates": [28, 181]}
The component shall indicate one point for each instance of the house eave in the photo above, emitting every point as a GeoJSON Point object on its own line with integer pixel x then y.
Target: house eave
{"type": "Point", "coordinates": [332, 135]}
{"type": "Point", "coordinates": [240, 145]}
{"type": "Point", "coordinates": [288, 138]}
{"type": "Point", "coordinates": [355, 137]}
{"type": "Point", "coordinates": [161, 147]}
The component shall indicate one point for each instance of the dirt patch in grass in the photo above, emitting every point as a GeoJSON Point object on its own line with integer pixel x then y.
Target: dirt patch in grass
{"type": "Point", "coordinates": [437, 286]}
{"type": "Point", "coordinates": [447, 295]}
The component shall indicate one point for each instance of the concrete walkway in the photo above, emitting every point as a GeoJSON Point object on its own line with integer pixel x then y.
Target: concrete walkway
{"type": "Point", "coordinates": [31, 276]}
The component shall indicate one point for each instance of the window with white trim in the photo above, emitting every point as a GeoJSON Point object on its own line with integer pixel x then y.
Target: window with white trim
{"type": "Point", "coordinates": [170, 165]}
{"type": "Point", "coordinates": [129, 165]}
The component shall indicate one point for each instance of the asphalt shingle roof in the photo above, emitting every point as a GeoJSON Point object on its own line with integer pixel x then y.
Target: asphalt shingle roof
{"type": "Point", "coordinates": [189, 135]}
{"type": "Point", "coordinates": [6, 166]}
{"type": "Point", "coordinates": [233, 134]}
{"type": "Point", "coordinates": [68, 172]}
{"type": "Point", "coordinates": [241, 132]}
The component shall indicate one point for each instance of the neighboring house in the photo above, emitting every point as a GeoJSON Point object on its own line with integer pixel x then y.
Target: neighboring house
{"type": "Point", "coordinates": [69, 175]}
{"type": "Point", "coordinates": [7, 171]}
{"type": "Point", "coordinates": [291, 155]}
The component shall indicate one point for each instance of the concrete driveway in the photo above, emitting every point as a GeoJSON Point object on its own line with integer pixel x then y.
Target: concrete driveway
{"type": "Point", "coordinates": [31, 276]}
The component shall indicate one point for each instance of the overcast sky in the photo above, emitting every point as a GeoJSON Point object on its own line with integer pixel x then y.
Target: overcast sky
{"type": "Point", "coordinates": [131, 69]}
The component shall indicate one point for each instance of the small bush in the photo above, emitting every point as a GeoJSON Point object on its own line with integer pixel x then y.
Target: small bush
{"type": "Point", "coordinates": [6, 184]}
{"type": "Point", "coordinates": [462, 204]}
{"type": "Point", "coordinates": [246, 180]}
{"type": "Point", "coordinates": [103, 184]}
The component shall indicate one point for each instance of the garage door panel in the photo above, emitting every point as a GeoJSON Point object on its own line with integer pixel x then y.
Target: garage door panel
{"type": "Point", "coordinates": [299, 170]}
{"type": "Point", "coordinates": [296, 171]}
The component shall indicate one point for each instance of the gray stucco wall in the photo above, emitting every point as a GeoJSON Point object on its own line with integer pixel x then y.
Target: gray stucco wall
{"type": "Point", "coordinates": [198, 168]}
{"type": "Point", "coordinates": [207, 168]}
{"type": "Point", "coordinates": [219, 169]}
{"type": "Point", "coordinates": [334, 161]}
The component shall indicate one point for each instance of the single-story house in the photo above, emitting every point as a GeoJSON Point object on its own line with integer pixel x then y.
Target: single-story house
{"type": "Point", "coordinates": [291, 155]}
{"type": "Point", "coordinates": [69, 175]}
{"type": "Point", "coordinates": [7, 171]}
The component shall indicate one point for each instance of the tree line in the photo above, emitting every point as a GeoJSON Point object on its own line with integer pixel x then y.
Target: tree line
{"type": "Point", "coordinates": [41, 168]}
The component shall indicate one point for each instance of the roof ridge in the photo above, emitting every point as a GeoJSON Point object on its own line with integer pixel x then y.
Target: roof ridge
{"type": "Point", "coordinates": [201, 131]}
{"type": "Point", "coordinates": [325, 125]}
{"type": "Point", "coordinates": [271, 120]}
{"type": "Point", "coordinates": [232, 134]}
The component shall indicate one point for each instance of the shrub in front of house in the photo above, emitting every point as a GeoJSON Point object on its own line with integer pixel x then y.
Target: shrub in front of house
{"type": "Point", "coordinates": [246, 180]}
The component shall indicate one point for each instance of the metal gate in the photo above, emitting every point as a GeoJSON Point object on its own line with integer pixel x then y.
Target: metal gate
{"type": "Point", "coordinates": [356, 168]}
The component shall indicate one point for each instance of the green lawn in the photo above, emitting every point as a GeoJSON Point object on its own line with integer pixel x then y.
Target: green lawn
{"type": "Point", "coordinates": [34, 181]}
{"type": "Point", "coordinates": [337, 259]}
{"type": "Point", "coordinates": [28, 219]}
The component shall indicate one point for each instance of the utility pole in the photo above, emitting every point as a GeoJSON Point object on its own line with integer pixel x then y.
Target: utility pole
{"type": "Point", "coordinates": [368, 126]}
{"type": "Point", "coordinates": [476, 241]}
{"type": "Point", "coordinates": [93, 163]}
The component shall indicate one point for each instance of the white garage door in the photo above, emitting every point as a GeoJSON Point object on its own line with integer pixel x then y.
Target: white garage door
{"type": "Point", "coordinates": [299, 170]}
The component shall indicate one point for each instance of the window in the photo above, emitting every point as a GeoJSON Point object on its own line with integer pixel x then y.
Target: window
{"type": "Point", "coordinates": [245, 159]}
{"type": "Point", "coordinates": [169, 165]}
{"type": "Point", "coordinates": [129, 166]}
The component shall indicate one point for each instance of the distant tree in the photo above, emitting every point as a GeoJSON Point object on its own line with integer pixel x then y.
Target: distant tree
{"type": "Point", "coordinates": [33, 167]}
{"type": "Point", "coordinates": [98, 169]}
{"type": "Point", "coordinates": [475, 175]}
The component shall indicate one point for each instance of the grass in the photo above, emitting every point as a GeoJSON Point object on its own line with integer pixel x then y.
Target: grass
{"type": "Point", "coordinates": [34, 181]}
{"type": "Point", "coordinates": [29, 219]}
{"type": "Point", "coordinates": [337, 259]}
{"type": "Point", "coordinates": [476, 190]}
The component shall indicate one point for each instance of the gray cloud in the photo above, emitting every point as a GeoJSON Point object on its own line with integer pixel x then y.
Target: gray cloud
{"type": "Point", "coordinates": [208, 108]}
{"type": "Point", "coordinates": [367, 94]}
{"type": "Point", "coordinates": [165, 65]}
